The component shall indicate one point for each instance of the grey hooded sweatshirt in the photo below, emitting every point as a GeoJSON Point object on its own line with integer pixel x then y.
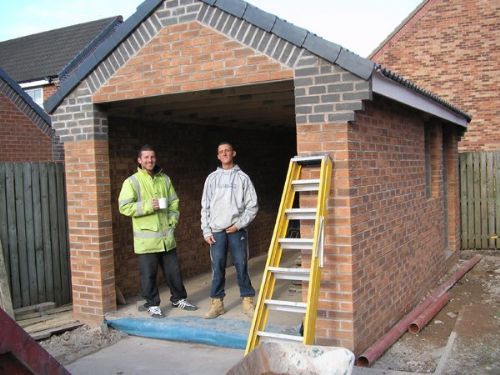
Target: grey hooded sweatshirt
{"type": "Point", "coordinates": [228, 198]}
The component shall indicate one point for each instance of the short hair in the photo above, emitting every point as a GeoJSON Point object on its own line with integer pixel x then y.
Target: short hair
{"type": "Point", "coordinates": [145, 147]}
{"type": "Point", "coordinates": [225, 143]}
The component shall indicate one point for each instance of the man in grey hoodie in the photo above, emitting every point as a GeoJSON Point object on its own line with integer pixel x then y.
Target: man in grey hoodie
{"type": "Point", "coordinates": [228, 206]}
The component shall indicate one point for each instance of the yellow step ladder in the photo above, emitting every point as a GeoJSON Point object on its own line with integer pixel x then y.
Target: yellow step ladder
{"type": "Point", "coordinates": [279, 242]}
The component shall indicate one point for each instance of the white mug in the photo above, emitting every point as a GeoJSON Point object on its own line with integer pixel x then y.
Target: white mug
{"type": "Point", "coordinates": [162, 202]}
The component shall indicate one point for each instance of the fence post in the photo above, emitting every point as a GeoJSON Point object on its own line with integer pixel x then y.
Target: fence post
{"type": "Point", "coordinates": [5, 299]}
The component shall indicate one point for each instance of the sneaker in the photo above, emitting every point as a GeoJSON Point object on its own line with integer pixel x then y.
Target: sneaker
{"type": "Point", "coordinates": [155, 312]}
{"type": "Point", "coordinates": [183, 304]}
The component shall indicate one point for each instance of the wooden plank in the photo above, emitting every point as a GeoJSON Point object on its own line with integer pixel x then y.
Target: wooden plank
{"type": "Point", "coordinates": [463, 201]}
{"type": "Point", "coordinates": [37, 224]}
{"type": "Point", "coordinates": [477, 201]}
{"type": "Point", "coordinates": [21, 235]}
{"type": "Point", "coordinates": [52, 323]}
{"type": "Point", "coordinates": [3, 218]}
{"type": "Point", "coordinates": [51, 311]}
{"type": "Point", "coordinates": [56, 259]}
{"type": "Point", "coordinates": [49, 332]}
{"type": "Point", "coordinates": [15, 285]}
{"type": "Point", "coordinates": [63, 235]}
{"type": "Point", "coordinates": [38, 307]}
{"type": "Point", "coordinates": [497, 198]}
{"type": "Point", "coordinates": [30, 233]}
{"type": "Point", "coordinates": [45, 318]}
{"type": "Point", "coordinates": [484, 200]}
{"type": "Point", "coordinates": [470, 200]}
{"type": "Point", "coordinates": [5, 297]}
{"type": "Point", "coordinates": [47, 242]}
{"type": "Point", "coordinates": [490, 195]}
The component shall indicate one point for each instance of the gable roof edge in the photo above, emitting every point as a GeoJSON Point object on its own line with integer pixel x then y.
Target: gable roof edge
{"type": "Point", "coordinates": [399, 28]}
{"type": "Point", "coordinates": [395, 87]}
{"type": "Point", "coordinates": [295, 35]}
{"type": "Point", "coordinates": [26, 98]}
{"type": "Point", "coordinates": [101, 52]}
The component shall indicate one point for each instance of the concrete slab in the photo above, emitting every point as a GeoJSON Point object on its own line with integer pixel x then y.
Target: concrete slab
{"type": "Point", "coordinates": [144, 356]}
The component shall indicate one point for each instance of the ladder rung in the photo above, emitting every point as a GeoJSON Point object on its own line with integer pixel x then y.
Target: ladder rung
{"type": "Point", "coordinates": [288, 306]}
{"type": "Point", "coordinates": [270, 336]}
{"type": "Point", "coordinates": [290, 273]}
{"type": "Point", "coordinates": [300, 213]}
{"type": "Point", "coordinates": [306, 185]}
{"type": "Point", "coordinates": [296, 243]}
{"type": "Point", "coordinates": [316, 159]}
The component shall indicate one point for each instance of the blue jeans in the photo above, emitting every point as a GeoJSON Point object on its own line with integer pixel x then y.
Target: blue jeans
{"type": "Point", "coordinates": [238, 244]}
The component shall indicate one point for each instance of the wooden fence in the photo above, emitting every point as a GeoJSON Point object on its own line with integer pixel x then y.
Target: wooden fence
{"type": "Point", "coordinates": [33, 232]}
{"type": "Point", "coordinates": [480, 200]}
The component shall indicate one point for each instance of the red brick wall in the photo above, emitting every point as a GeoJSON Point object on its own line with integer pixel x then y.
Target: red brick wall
{"type": "Point", "coordinates": [385, 245]}
{"type": "Point", "coordinates": [188, 155]}
{"type": "Point", "coordinates": [48, 91]}
{"type": "Point", "coordinates": [189, 57]}
{"type": "Point", "coordinates": [20, 138]}
{"type": "Point", "coordinates": [89, 225]}
{"type": "Point", "coordinates": [397, 238]}
{"type": "Point", "coordinates": [453, 50]}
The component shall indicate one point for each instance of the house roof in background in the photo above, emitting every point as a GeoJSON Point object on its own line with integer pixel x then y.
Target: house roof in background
{"type": "Point", "coordinates": [4, 77]}
{"type": "Point", "coordinates": [45, 55]}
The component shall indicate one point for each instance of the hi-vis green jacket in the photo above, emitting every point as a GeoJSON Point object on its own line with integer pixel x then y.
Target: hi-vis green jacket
{"type": "Point", "coordinates": [153, 230]}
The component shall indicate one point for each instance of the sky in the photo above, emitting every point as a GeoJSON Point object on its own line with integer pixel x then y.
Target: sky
{"type": "Point", "coordinates": [358, 25]}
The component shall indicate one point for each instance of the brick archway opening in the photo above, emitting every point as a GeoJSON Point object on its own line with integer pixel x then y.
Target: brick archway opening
{"type": "Point", "coordinates": [186, 128]}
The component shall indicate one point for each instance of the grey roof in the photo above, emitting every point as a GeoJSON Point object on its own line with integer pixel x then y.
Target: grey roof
{"type": "Point", "coordinates": [407, 83]}
{"type": "Point", "coordinates": [318, 46]}
{"type": "Point", "coordinates": [44, 55]}
{"type": "Point", "coordinates": [25, 97]}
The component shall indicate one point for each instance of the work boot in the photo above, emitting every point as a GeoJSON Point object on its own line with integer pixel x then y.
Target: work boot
{"type": "Point", "coordinates": [248, 306]}
{"type": "Point", "coordinates": [216, 308]}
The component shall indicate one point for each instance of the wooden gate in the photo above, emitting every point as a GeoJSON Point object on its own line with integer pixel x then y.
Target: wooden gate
{"type": "Point", "coordinates": [33, 232]}
{"type": "Point", "coordinates": [480, 200]}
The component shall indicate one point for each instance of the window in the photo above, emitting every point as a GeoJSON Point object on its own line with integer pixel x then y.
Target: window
{"type": "Point", "coordinates": [36, 94]}
{"type": "Point", "coordinates": [428, 161]}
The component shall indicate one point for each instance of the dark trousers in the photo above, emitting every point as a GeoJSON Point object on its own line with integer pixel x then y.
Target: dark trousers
{"type": "Point", "coordinates": [148, 267]}
{"type": "Point", "coordinates": [237, 243]}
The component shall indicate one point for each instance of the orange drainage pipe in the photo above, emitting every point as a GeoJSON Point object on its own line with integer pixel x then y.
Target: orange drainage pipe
{"type": "Point", "coordinates": [428, 314]}
{"type": "Point", "coordinates": [380, 346]}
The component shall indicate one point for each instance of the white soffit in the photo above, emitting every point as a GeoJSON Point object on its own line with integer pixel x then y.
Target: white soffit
{"type": "Point", "coordinates": [391, 89]}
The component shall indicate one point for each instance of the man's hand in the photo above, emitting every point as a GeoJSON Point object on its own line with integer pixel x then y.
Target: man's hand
{"type": "Point", "coordinates": [210, 240]}
{"type": "Point", "coordinates": [156, 205]}
{"type": "Point", "coordinates": [232, 229]}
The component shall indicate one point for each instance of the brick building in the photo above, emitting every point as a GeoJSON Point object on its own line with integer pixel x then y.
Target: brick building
{"type": "Point", "coordinates": [25, 128]}
{"type": "Point", "coordinates": [184, 75]}
{"type": "Point", "coordinates": [453, 49]}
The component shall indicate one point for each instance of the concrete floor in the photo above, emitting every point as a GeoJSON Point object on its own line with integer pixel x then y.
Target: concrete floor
{"type": "Point", "coordinates": [143, 356]}
{"type": "Point", "coordinates": [139, 355]}
{"type": "Point", "coordinates": [198, 289]}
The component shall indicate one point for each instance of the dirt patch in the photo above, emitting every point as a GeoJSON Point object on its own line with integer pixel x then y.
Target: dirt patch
{"type": "Point", "coordinates": [473, 313]}
{"type": "Point", "coordinates": [71, 345]}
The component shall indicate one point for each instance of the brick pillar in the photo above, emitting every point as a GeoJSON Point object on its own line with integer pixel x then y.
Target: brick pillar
{"type": "Point", "coordinates": [90, 229]}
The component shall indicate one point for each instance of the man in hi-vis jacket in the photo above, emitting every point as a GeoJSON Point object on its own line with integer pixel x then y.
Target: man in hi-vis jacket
{"type": "Point", "coordinates": [153, 227]}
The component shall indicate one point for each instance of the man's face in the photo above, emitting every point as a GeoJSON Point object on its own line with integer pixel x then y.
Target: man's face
{"type": "Point", "coordinates": [226, 154]}
{"type": "Point", "coordinates": [147, 160]}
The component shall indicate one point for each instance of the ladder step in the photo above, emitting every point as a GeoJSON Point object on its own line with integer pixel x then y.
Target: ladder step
{"type": "Point", "coordinates": [280, 273]}
{"type": "Point", "coordinates": [300, 213]}
{"type": "Point", "coordinates": [273, 337]}
{"type": "Point", "coordinates": [288, 306]}
{"type": "Point", "coordinates": [296, 243]}
{"type": "Point", "coordinates": [306, 185]}
{"type": "Point", "coordinates": [307, 160]}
